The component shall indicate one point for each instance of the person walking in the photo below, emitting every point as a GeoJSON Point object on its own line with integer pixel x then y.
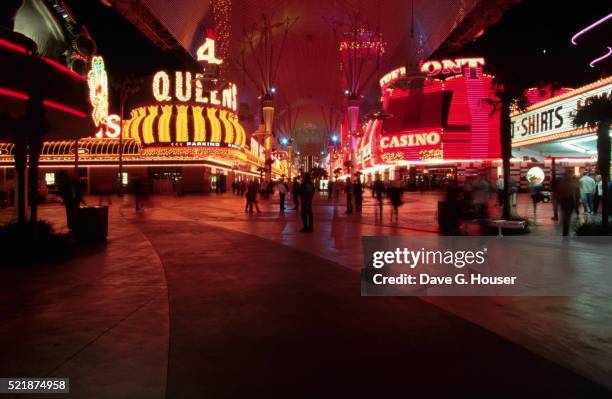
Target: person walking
{"type": "Point", "coordinates": [378, 189]}
{"type": "Point", "coordinates": [295, 193]}
{"type": "Point", "coordinates": [252, 197]}
{"type": "Point", "coordinates": [395, 196]}
{"type": "Point", "coordinates": [307, 191]}
{"type": "Point", "coordinates": [568, 193]}
{"type": "Point", "coordinates": [358, 192]}
{"type": "Point", "coordinates": [598, 193]}
{"type": "Point", "coordinates": [348, 190]}
{"type": "Point", "coordinates": [587, 188]}
{"type": "Point", "coordinates": [330, 188]}
{"type": "Point", "coordinates": [282, 191]}
{"type": "Point", "coordinates": [500, 190]}
{"type": "Point", "coordinates": [138, 187]}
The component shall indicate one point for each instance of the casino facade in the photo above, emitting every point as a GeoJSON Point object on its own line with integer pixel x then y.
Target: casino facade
{"type": "Point", "coordinates": [435, 126]}
{"type": "Point", "coordinates": [177, 128]}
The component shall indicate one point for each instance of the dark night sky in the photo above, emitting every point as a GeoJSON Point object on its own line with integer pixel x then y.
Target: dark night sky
{"type": "Point", "coordinates": [533, 39]}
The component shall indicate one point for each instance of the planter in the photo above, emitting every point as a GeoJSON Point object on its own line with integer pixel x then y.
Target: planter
{"type": "Point", "coordinates": [91, 223]}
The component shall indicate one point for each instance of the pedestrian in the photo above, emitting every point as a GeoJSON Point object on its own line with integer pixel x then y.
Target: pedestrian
{"type": "Point", "coordinates": [348, 190]}
{"type": "Point", "coordinates": [536, 196]}
{"type": "Point", "coordinates": [138, 188]}
{"type": "Point", "coordinates": [513, 192]}
{"type": "Point", "coordinates": [568, 193]}
{"type": "Point", "coordinates": [243, 187]}
{"type": "Point", "coordinates": [330, 188]}
{"type": "Point", "coordinates": [587, 188]}
{"type": "Point", "coordinates": [358, 192]}
{"type": "Point", "coordinates": [307, 191]}
{"type": "Point", "coordinates": [270, 189]}
{"type": "Point", "coordinates": [282, 191]}
{"type": "Point", "coordinates": [252, 197]}
{"type": "Point", "coordinates": [66, 192]}
{"type": "Point", "coordinates": [449, 213]}
{"type": "Point", "coordinates": [295, 193]}
{"type": "Point", "coordinates": [598, 193]}
{"type": "Point", "coordinates": [395, 196]}
{"type": "Point", "coordinates": [500, 190]}
{"type": "Point", "coordinates": [234, 187]}
{"type": "Point", "coordinates": [378, 189]}
{"type": "Point", "coordinates": [555, 203]}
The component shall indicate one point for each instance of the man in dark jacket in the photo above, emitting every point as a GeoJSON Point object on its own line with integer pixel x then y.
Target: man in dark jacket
{"type": "Point", "coordinates": [568, 196]}
{"type": "Point", "coordinates": [295, 192]}
{"type": "Point", "coordinates": [307, 191]}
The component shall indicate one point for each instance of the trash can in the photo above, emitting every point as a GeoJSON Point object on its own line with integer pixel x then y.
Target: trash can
{"type": "Point", "coordinates": [91, 223]}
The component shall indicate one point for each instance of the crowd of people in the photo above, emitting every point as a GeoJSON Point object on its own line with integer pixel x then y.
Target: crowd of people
{"type": "Point", "coordinates": [472, 201]}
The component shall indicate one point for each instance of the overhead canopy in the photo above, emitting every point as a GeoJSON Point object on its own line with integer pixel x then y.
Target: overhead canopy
{"type": "Point", "coordinates": [309, 75]}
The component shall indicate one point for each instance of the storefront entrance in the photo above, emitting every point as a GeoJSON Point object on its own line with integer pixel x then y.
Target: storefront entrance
{"type": "Point", "coordinates": [424, 178]}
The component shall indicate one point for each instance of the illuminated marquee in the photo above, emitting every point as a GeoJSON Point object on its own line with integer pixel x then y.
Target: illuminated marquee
{"type": "Point", "coordinates": [393, 75]}
{"type": "Point", "coordinates": [451, 67]}
{"type": "Point", "coordinates": [410, 140]}
{"type": "Point", "coordinates": [555, 115]}
{"type": "Point", "coordinates": [188, 87]}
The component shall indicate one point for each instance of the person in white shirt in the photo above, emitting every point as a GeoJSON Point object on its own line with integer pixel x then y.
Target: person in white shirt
{"type": "Point", "coordinates": [500, 190]}
{"type": "Point", "coordinates": [587, 189]}
{"type": "Point", "coordinates": [598, 193]}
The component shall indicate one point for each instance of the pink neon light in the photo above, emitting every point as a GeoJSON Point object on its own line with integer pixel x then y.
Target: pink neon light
{"type": "Point", "coordinates": [12, 46]}
{"type": "Point", "coordinates": [55, 64]}
{"type": "Point", "coordinates": [14, 94]}
{"type": "Point", "coordinates": [596, 60]}
{"type": "Point", "coordinates": [48, 103]}
{"type": "Point", "coordinates": [63, 68]}
{"type": "Point", "coordinates": [60, 107]}
{"type": "Point", "coordinates": [588, 28]}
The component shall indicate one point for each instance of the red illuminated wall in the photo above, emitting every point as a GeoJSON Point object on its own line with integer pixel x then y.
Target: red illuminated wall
{"type": "Point", "coordinates": [455, 107]}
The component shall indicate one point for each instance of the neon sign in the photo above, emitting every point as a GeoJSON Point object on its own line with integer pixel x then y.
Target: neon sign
{"type": "Point", "coordinates": [393, 75]}
{"type": "Point", "coordinates": [410, 140]}
{"type": "Point", "coordinates": [206, 52]}
{"type": "Point", "coordinates": [188, 87]}
{"type": "Point", "coordinates": [451, 67]}
{"type": "Point", "coordinates": [111, 128]}
{"type": "Point", "coordinates": [546, 119]}
{"type": "Point", "coordinates": [97, 80]}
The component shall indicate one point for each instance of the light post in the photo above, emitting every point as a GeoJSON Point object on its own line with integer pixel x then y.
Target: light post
{"type": "Point", "coordinates": [353, 120]}
{"type": "Point", "coordinates": [268, 118]}
{"type": "Point", "coordinates": [126, 88]}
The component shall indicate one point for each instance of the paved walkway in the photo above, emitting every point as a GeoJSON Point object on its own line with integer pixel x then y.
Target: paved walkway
{"type": "Point", "coordinates": [195, 298]}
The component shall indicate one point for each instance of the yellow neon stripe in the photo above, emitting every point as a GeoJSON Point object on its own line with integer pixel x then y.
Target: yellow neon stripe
{"type": "Point", "coordinates": [199, 124]}
{"type": "Point", "coordinates": [240, 136]}
{"type": "Point", "coordinates": [229, 129]}
{"type": "Point", "coordinates": [147, 125]}
{"type": "Point", "coordinates": [182, 124]}
{"type": "Point", "coordinates": [163, 125]}
{"type": "Point", "coordinates": [126, 127]}
{"type": "Point", "coordinates": [215, 125]}
{"type": "Point", "coordinates": [135, 125]}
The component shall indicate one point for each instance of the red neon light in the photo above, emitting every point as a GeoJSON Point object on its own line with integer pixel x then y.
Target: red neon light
{"type": "Point", "coordinates": [63, 68]}
{"type": "Point", "coordinates": [55, 64]}
{"type": "Point", "coordinates": [12, 46]}
{"type": "Point", "coordinates": [47, 103]}
{"type": "Point", "coordinates": [14, 94]}
{"type": "Point", "coordinates": [60, 107]}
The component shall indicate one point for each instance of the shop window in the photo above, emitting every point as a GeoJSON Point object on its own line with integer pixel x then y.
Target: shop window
{"type": "Point", "coordinates": [50, 178]}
